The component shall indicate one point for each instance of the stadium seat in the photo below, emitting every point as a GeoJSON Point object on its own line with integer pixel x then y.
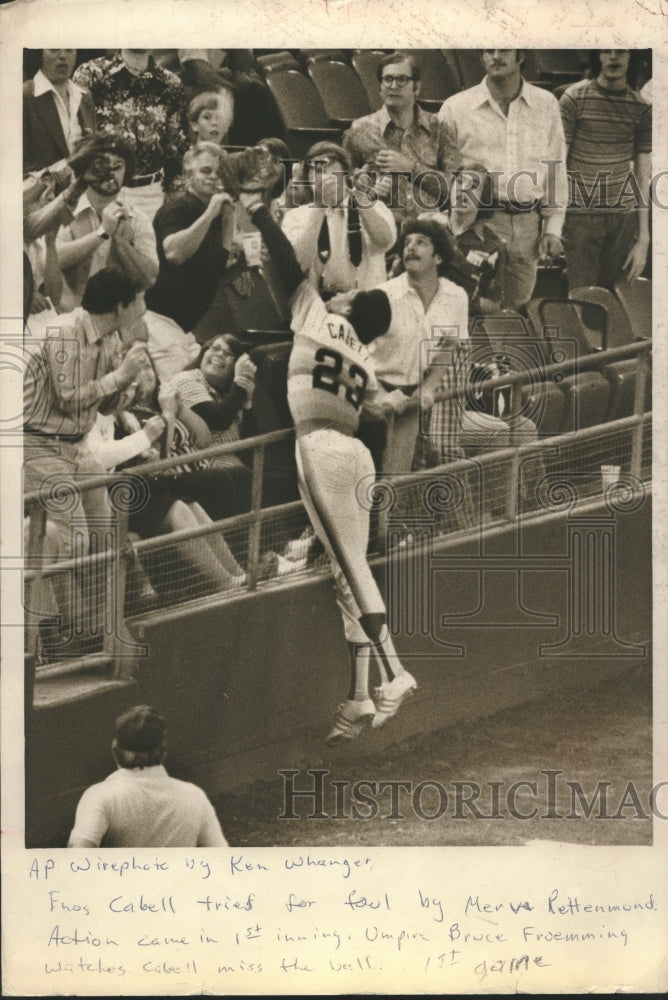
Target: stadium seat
{"type": "Point", "coordinates": [507, 327]}
{"type": "Point", "coordinates": [565, 337]}
{"type": "Point", "coordinates": [545, 404]}
{"type": "Point", "coordinates": [274, 61]}
{"type": "Point", "coordinates": [340, 89]}
{"type": "Point", "coordinates": [560, 90]}
{"type": "Point", "coordinates": [256, 310]}
{"type": "Point", "coordinates": [555, 67]}
{"type": "Point", "coordinates": [301, 111]}
{"type": "Point", "coordinates": [622, 377]}
{"type": "Point", "coordinates": [450, 56]}
{"type": "Point", "coordinates": [308, 55]}
{"type": "Point", "coordinates": [582, 323]}
{"type": "Point", "coordinates": [586, 401]}
{"type": "Point", "coordinates": [512, 340]}
{"type": "Point", "coordinates": [365, 63]}
{"type": "Point", "coordinates": [245, 304]}
{"type": "Point", "coordinates": [436, 78]}
{"type": "Point", "coordinates": [618, 330]}
{"type": "Point", "coordinates": [551, 280]}
{"type": "Point", "coordinates": [636, 298]}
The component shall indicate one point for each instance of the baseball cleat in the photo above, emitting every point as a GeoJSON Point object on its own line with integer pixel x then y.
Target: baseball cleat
{"type": "Point", "coordinates": [351, 719]}
{"type": "Point", "coordinates": [389, 696]}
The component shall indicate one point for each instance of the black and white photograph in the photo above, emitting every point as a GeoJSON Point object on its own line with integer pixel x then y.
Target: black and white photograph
{"type": "Point", "coordinates": [329, 549]}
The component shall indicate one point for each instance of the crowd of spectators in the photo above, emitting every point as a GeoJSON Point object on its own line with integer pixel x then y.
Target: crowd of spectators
{"type": "Point", "coordinates": [131, 192]}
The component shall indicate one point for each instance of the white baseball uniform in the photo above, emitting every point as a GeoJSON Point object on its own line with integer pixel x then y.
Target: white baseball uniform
{"type": "Point", "coordinates": [330, 374]}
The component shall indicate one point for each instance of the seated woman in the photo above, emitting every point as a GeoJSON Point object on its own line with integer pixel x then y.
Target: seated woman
{"type": "Point", "coordinates": [222, 489]}
{"type": "Point", "coordinates": [217, 388]}
{"type": "Point", "coordinates": [119, 438]}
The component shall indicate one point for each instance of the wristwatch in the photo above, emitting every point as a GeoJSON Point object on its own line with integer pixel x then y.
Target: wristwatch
{"type": "Point", "coordinates": [102, 233]}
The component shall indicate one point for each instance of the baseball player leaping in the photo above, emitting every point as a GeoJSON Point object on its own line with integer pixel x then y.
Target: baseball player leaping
{"type": "Point", "coordinates": [330, 377]}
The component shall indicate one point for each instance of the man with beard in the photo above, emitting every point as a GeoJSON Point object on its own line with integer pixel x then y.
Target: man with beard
{"type": "Point", "coordinates": [105, 230]}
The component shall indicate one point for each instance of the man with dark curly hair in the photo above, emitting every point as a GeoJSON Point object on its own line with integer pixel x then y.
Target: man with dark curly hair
{"type": "Point", "coordinates": [105, 230]}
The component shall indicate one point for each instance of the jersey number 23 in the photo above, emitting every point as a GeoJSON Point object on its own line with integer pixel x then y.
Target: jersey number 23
{"type": "Point", "coordinates": [332, 373]}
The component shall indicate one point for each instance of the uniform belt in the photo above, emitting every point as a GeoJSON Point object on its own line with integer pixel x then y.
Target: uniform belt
{"type": "Point", "coordinates": [65, 438]}
{"type": "Point", "coordinates": [144, 179]}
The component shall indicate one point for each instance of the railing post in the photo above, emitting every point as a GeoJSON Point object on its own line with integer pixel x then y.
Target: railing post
{"type": "Point", "coordinates": [116, 636]}
{"type": "Point", "coordinates": [513, 479]}
{"type": "Point", "coordinates": [638, 410]}
{"type": "Point", "coordinates": [34, 591]}
{"type": "Point", "coordinates": [255, 531]}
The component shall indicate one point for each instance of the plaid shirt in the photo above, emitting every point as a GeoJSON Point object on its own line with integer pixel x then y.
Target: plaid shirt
{"type": "Point", "coordinates": [426, 143]}
{"type": "Point", "coordinates": [442, 424]}
{"type": "Point", "coordinates": [67, 379]}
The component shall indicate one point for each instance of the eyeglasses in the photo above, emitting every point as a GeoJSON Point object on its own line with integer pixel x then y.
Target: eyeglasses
{"type": "Point", "coordinates": [398, 81]}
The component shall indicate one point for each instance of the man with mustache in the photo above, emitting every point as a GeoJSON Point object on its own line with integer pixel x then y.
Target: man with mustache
{"type": "Point", "coordinates": [426, 348]}
{"type": "Point", "coordinates": [106, 230]}
{"type": "Point", "coordinates": [425, 344]}
{"type": "Point", "coordinates": [514, 131]}
{"type": "Point", "coordinates": [608, 128]}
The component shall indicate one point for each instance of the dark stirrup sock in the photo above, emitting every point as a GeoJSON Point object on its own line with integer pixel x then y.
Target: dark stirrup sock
{"type": "Point", "coordinates": [376, 628]}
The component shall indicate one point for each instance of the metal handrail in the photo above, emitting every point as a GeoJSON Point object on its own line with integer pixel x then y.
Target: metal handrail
{"type": "Point", "coordinates": [254, 519]}
{"type": "Point", "coordinates": [160, 466]}
{"type": "Point", "coordinates": [296, 506]}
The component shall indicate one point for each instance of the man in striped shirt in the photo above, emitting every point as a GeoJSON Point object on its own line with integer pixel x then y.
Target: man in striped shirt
{"type": "Point", "coordinates": [608, 131]}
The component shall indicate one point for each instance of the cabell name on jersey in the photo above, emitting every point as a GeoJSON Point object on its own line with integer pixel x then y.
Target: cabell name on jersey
{"type": "Point", "coordinates": [344, 332]}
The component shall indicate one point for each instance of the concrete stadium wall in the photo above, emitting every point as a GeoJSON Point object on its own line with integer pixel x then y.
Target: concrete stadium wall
{"type": "Point", "coordinates": [249, 685]}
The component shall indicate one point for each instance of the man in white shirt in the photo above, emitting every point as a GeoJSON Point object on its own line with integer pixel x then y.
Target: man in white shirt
{"type": "Point", "coordinates": [421, 350]}
{"type": "Point", "coordinates": [426, 348]}
{"type": "Point", "coordinates": [139, 805]}
{"type": "Point", "coordinates": [56, 111]}
{"type": "Point", "coordinates": [514, 131]}
{"type": "Point", "coordinates": [338, 244]}
{"type": "Point", "coordinates": [401, 139]}
{"type": "Point", "coordinates": [105, 230]}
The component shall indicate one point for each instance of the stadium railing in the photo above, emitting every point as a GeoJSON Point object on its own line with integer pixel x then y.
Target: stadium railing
{"type": "Point", "coordinates": [489, 490]}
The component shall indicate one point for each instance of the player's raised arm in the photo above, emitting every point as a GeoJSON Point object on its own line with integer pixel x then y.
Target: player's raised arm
{"type": "Point", "coordinates": [279, 246]}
